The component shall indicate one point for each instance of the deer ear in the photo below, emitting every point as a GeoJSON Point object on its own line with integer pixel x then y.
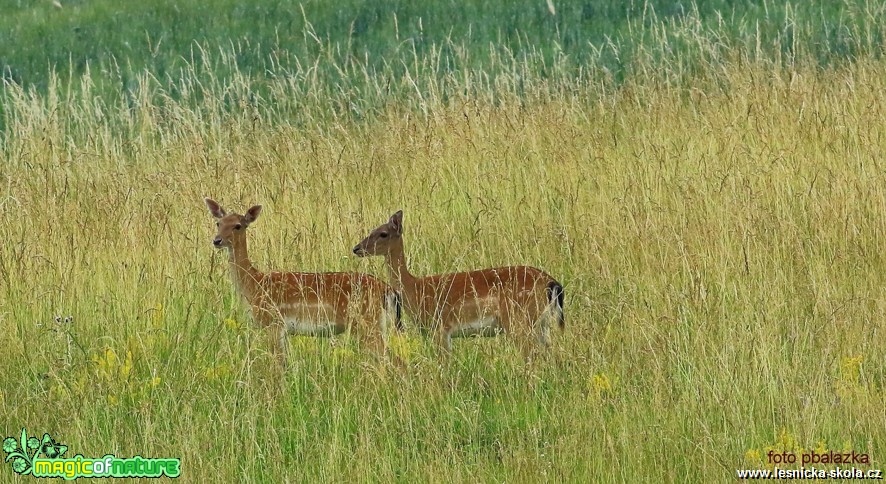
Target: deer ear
{"type": "Point", "coordinates": [214, 208]}
{"type": "Point", "coordinates": [252, 214]}
{"type": "Point", "coordinates": [396, 221]}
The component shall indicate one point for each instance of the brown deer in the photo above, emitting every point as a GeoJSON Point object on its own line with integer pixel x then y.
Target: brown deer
{"type": "Point", "coordinates": [520, 301]}
{"type": "Point", "coordinates": [302, 303]}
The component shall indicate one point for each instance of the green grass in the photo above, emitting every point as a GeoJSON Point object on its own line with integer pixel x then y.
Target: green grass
{"type": "Point", "coordinates": [716, 217]}
{"type": "Point", "coordinates": [122, 40]}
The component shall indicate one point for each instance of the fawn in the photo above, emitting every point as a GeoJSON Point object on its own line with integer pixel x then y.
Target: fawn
{"type": "Point", "coordinates": [303, 303]}
{"type": "Point", "coordinates": [520, 301]}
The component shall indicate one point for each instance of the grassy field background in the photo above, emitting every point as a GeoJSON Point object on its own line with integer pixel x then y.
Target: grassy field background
{"type": "Point", "coordinates": [713, 203]}
{"type": "Point", "coordinates": [161, 36]}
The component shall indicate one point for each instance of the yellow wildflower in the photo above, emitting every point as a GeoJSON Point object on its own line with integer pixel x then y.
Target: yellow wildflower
{"type": "Point", "coordinates": [58, 391]}
{"type": "Point", "coordinates": [850, 368]}
{"type": "Point", "coordinates": [126, 367]}
{"type": "Point", "coordinates": [753, 456]}
{"type": "Point", "coordinates": [106, 363]}
{"type": "Point", "coordinates": [216, 372]}
{"type": "Point", "coordinates": [786, 441]}
{"type": "Point", "coordinates": [157, 313]}
{"type": "Point", "coordinates": [403, 347]}
{"type": "Point", "coordinates": [342, 354]}
{"type": "Point", "coordinates": [109, 365]}
{"type": "Point", "coordinates": [848, 385]}
{"type": "Point", "coordinates": [232, 324]}
{"type": "Point", "coordinates": [600, 386]}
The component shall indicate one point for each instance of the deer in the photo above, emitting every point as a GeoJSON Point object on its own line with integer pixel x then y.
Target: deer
{"type": "Point", "coordinates": [303, 303]}
{"type": "Point", "coordinates": [520, 301]}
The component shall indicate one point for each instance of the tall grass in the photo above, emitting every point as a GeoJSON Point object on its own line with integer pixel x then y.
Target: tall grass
{"type": "Point", "coordinates": [116, 42]}
{"type": "Point", "coordinates": [716, 218]}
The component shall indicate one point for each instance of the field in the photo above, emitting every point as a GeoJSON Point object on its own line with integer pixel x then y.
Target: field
{"type": "Point", "coordinates": [711, 193]}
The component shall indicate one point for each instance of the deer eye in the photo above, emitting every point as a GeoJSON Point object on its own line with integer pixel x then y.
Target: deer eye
{"type": "Point", "coordinates": [383, 235]}
{"type": "Point", "coordinates": [217, 224]}
{"type": "Point", "coordinates": [238, 227]}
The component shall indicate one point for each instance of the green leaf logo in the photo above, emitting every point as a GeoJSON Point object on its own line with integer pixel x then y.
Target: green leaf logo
{"type": "Point", "coordinates": [10, 445]}
{"type": "Point", "coordinates": [20, 453]}
{"type": "Point", "coordinates": [51, 449]}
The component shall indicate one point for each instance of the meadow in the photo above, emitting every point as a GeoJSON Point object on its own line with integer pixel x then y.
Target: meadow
{"type": "Point", "coordinates": [713, 205]}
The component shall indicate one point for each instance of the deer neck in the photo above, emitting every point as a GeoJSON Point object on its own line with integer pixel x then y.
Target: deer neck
{"type": "Point", "coordinates": [400, 277]}
{"type": "Point", "coordinates": [244, 275]}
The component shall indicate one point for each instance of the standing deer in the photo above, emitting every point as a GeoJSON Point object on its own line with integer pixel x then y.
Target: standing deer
{"type": "Point", "coordinates": [519, 300]}
{"type": "Point", "coordinates": [313, 304]}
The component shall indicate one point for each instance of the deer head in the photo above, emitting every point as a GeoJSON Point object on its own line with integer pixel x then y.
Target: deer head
{"type": "Point", "coordinates": [383, 238]}
{"type": "Point", "coordinates": [231, 226]}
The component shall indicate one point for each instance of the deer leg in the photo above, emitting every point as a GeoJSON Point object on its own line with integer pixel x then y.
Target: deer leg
{"type": "Point", "coordinates": [443, 339]}
{"type": "Point", "coordinates": [271, 321]}
{"type": "Point", "coordinates": [540, 316]}
{"type": "Point", "coordinates": [516, 320]}
{"type": "Point", "coordinates": [442, 332]}
{"type": "Point", "coordinates": [370, 334]}
{"type": "Point", "coordinates": [278, 344]}
{"type": "Point", "coordinates": [276, 334]}
{"type": "Point", "coordinates": [389, 326]}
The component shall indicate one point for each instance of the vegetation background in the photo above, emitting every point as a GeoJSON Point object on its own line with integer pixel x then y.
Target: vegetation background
{"type": "Point", "coordinates": [707, 181]}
